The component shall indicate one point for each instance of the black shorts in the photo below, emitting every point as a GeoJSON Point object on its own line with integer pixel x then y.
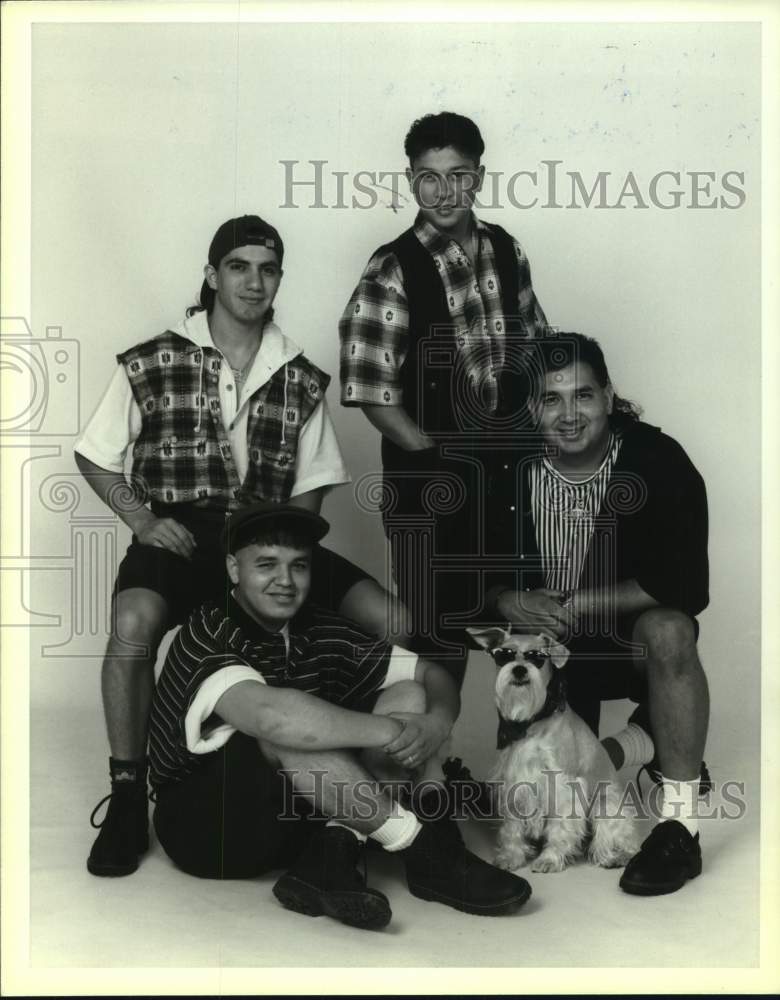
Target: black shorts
{"type": "Point", "coordinates": [187, 583]}
{"type": "Point", "coordinates": [607, 667]}
{"type": "Point", "coordinates": [234, 817]}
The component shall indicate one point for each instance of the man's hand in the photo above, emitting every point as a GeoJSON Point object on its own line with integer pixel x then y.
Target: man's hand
{"type": "Point", "coordinates": [394, 423]}
{"type": "Point", "coordinates": [420, 738]}
{"type": "Point", "coordinates": [166, 533]}
{"type": "Point", "coordinates": [422, 443]}
{"type": "Point", "coordinates": [531, 610]}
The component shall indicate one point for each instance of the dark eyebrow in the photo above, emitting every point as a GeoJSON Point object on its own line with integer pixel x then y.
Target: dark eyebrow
{"type": "Point", "coordinates": [248, 263]}
{"type": "Point", "coordinates": [433, 170]}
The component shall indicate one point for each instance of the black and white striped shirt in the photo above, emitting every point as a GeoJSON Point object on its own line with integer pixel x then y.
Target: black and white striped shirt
{"type": "Point", "coordinates": [564, 513]}
{"type": "Point", "coordinates": [321, 654]}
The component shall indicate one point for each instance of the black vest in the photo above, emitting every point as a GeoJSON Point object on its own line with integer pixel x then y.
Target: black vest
{"type": "Point", "coordinates": [428, 374]}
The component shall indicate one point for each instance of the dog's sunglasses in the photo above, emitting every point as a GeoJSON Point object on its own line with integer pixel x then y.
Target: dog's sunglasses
{"type": "Point", "coordinates": [504, 655]}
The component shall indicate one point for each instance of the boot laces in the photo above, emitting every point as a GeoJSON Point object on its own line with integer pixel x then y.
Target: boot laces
{"type": "Point", "coordinates": [93, 824]}
{"type": "Point", "coordinates": [654, 774]}
{"type": "Point", "coordinates": [661, 844]}
{"type": "Point", "coordinates": [111, 797]}
{"type": "Point", "coordinates": [352, 853]}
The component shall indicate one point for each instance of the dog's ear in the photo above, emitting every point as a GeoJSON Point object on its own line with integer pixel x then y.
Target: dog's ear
{"type": "Point", "coordinates": [487, 638]}
{"type": "Point", "coordinates": [558, 654]}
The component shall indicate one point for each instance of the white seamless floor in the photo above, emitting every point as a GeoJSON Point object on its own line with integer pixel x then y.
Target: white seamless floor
{"type": "Point", "coordinates": [160, 917]}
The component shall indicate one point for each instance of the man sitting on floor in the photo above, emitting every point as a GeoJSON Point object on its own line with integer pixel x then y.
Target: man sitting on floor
{"type": "Point", "coordinates": [268, 699]}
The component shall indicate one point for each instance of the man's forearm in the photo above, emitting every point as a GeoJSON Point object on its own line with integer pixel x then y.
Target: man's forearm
{"type": "Point", "coordinates": [623, 598]}
{"type": "Point", "coordinates": [115, 492]}
{"type": "Point", "coordinates": [394, 423]}
{"type": "Point", "coordinates": [302, 721]}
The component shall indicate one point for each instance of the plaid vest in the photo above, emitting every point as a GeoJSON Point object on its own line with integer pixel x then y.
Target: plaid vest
{"type": "Point", "coordinates": [183, 453]}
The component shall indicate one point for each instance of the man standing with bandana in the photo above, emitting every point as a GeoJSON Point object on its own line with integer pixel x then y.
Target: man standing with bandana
{"type": "Point", "coordinates": [222, 411]}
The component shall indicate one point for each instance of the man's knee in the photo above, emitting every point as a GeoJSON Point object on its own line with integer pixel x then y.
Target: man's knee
{"type": "Point", "coordinates": [669, 636]}
{"type": "Point", "coordinates": [403, 696]}
{"type": "Point", "coordinates": [140, 618]}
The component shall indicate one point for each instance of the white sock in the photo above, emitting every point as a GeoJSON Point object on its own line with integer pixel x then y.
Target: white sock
{"type": "Point", "coordinates": [681, 802]}
{"type": "Point", "coordinates": [636, 745]}
{"type": "Point", "coordinates": [362, 837]}
{"type": "Point", "coordinates": [398, 831]}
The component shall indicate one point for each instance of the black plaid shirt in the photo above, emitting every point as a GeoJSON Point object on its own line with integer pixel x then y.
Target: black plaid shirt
{"type": "Point", "coordinates": [375, 323]}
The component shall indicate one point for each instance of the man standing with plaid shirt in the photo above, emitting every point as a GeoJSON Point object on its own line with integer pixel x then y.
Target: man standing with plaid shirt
{"type": "Point", "coordinates": [423, 344]}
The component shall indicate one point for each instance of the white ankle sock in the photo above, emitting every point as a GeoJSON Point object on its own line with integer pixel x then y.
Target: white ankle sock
{"type": "Point", "coordinates": [681, 802]}
{"type": "Point", "coordinates": [362, 837]}
{"type": "Point", "coordinates": [398, 831]}
{"type": "Point", "coordinates": [636, 745]}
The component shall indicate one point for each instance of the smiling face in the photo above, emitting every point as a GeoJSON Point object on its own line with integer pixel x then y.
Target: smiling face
{"type": "Point", "coordinates": [246, 284]}
{"type": "Point", "coordinates": [572, 414]}
{"type": "Point", "coordinates": [445, 183]}
{"type": "Point", "coordinates": [272, 581]}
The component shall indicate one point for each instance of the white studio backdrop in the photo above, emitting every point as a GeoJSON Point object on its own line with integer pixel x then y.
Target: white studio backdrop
{"type": "Point", "coordinates": [146, 137]}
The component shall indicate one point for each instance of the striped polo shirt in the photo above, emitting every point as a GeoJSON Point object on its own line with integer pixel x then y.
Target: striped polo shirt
{"type": "Point", "coordinates": [317, 652]}
{"type": "Point", "coordinates": [564, 513]}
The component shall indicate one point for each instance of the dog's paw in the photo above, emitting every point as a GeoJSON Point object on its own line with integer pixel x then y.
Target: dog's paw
{"type": "Point", "coordinates": [618, 859]}
{"type": "Point", "coordinates": [547, 862]}
{"type": "Point", "coordinates": [510, 862]}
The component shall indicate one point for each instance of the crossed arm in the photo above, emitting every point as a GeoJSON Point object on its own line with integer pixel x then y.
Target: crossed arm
{"type": "Point", "coordinates": [303, 721]}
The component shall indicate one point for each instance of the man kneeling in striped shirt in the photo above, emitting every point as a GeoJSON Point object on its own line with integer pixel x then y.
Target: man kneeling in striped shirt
{"type": "Point", "coordinates": [272, 723]}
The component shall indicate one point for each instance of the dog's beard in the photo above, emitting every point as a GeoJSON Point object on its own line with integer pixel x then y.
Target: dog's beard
{"type": "Point", "coordinates": [520, 701]}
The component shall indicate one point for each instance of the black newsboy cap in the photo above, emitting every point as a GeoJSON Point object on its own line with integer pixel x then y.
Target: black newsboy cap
{"type": "Point", "coordinates": [247, 522]}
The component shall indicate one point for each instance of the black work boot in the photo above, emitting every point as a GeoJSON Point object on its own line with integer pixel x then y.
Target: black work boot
{"type": "Point", "coordinates": [440, 868]}
{"type": "Point", "coordinates": [667, 859]}
{"type": "Point", "coordinates": [325, 881]}
{"type": "Point", "coordinates": [124, 830]}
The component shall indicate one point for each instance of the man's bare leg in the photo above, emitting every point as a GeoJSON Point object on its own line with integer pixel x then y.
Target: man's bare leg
{"type": "Point", "coordinates": [679, 713]}
{"type": "Point", "coordinates": [140, 620]}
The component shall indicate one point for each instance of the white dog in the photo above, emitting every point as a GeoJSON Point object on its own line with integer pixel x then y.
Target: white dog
{"type": "Point", "coordinates": [557, 793]}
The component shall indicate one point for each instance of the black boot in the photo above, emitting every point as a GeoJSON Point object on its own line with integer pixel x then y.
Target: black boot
{"type": "Point", "coordinates": [440, 868]}
{"type": "Point", "coordinates": [325, 881]}
{"type": "Point", "coordinates": [667, 859]}
{"type": "Point", "coordinates": [124, 831]}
